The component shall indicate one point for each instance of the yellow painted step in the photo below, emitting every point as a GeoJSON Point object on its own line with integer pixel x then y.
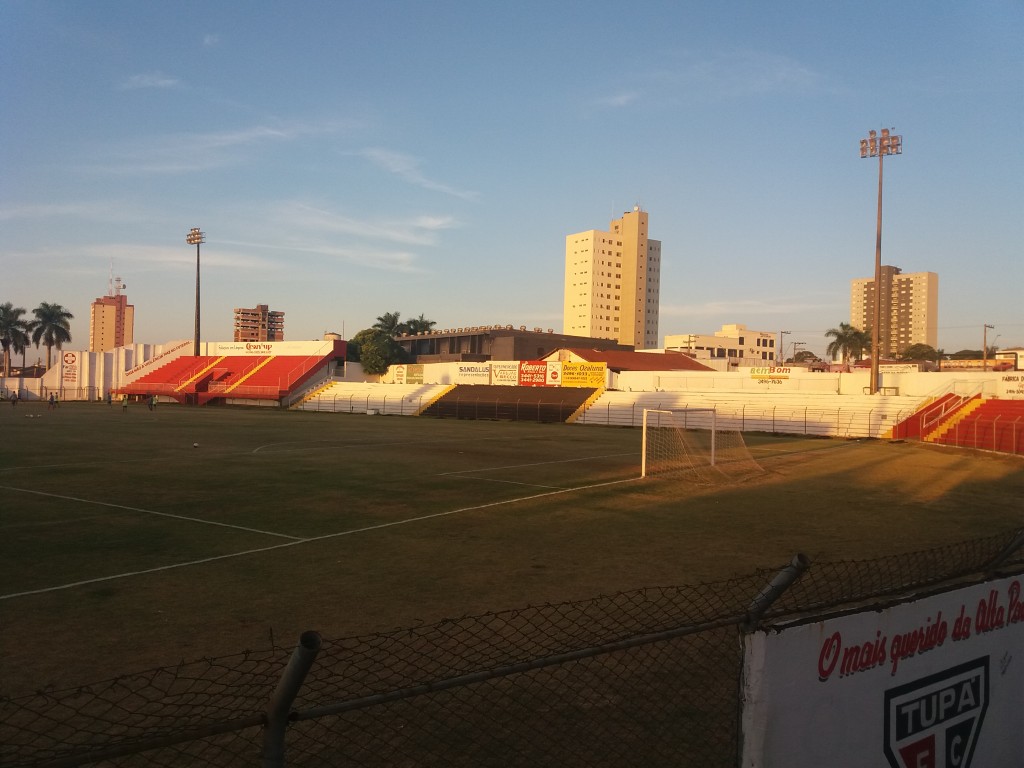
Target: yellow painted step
{"type": "Point", "coordinates": [957, 417]}
{"type": "Point", "coordinates": [204, 370]}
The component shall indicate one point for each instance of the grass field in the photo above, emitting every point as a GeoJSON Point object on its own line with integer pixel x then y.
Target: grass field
{"type": "Point", "coordinates": [123, 547]}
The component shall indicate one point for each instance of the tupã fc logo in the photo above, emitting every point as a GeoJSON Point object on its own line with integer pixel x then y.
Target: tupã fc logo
{"type": "Point", "coordinates": [934, 722]}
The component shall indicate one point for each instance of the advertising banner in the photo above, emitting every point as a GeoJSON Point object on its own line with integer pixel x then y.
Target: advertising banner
{"type": "Point", "coordinates": [264, 348]}
{"type": "Point", "coordinates": [400, 373]}
{"type": "Point", "coordinates": [69, 369]}
{"type": "Point", "coordinates": [899, 368]}
{"type": "Point", "coordinates": [414, 374]}
{"type": "Point", "coordinates": [1011, 385]}
{"type": "Point", "coordinates": [770, 374]}
{"type": "Point", "coordinates": [583, 374]}
{"type": "Point", "coordinates": [933, 683]}
{"type": "Point", "coordinates": [533, 373]}
{"type": "Point", "coordinates": [473, 373]}
{"type": "Point", "coordinates": [554, 375]}
{"type": "Point", "coordinates": [505, 373]}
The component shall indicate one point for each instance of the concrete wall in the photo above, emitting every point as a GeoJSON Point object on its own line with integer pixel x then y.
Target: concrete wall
{"type": "Point", "coordinates": [793, 379]}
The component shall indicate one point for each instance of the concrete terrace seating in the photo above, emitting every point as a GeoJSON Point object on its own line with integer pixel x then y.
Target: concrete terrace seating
{"type": "Point", "coordinates": [371, 397]}
{"type": "Point", "coordinates": [264, 378]}
{"type": "Point", "coordinates": [166, 379]}
{"type": "Point", "coordinates": [789, 412]}
{"type": "Point", "coordinates": [994, 425]}
{"type": "Point", "coordinates": [510, 403]}
{"type": "Point", "coordinates": [205, 378]}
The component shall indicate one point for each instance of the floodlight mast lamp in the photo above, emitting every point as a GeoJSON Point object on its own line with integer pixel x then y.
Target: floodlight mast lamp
{"type": "Point", "coordinates": [196, 237]}
{"type": "Point", "coordinates": [879, 146]}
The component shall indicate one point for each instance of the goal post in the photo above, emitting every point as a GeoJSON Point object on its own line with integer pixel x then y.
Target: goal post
{"type": "Point", "coordinates": [689, 441]}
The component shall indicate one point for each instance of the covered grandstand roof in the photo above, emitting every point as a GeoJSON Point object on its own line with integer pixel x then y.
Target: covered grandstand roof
{"type": "Point", "coordinates": [632, 361]}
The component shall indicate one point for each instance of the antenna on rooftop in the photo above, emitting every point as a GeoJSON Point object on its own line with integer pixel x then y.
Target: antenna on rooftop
{"type": "Point", "coordinates": [114, 284]}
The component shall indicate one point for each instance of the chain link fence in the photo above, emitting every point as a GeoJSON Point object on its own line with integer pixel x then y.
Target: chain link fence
{"type": "Point", "coordinates": [648, 677]}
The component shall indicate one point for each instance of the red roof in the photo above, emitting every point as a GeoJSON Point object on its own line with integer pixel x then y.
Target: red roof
{"type": "Point", "coordinates": [640, 361]}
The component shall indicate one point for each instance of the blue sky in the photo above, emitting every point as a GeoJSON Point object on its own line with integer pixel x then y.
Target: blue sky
{"type": "Point", "coordinates": [349, 159]}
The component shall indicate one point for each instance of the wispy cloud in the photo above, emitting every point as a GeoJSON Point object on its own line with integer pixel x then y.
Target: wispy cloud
{"type": "Point", "coordinates": [185, 153]}
{"type": "Point", "coordinates": [731, 74]}
{"type": "Point", "coordinates": [742, 308]}
{"type": "Point", "coordinates": [94, 211]}
{"type": "Point", "coordinates": [619, 99]}
{"type": "Point", "coordinates": [302, 217]}
{"type": "Point", "coordinates": [407, 168]}
{"type": "Point", "coordinates": [366, 256]}
{"type": "Point", "coordinates": [151, 80]}
{"type": "Point", "coordinates": [210, 40]}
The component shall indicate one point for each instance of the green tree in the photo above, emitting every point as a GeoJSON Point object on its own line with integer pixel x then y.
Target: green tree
{"type": "Point", "coordinates": [13, 332]}
{"type": "Point", "coordinates": [848, 342]}
{"type": "Point", "coordinates": [920, 352]}
{"type": "Point", "coordinates": [51, 328]}
{"type": "Point", "coordinates": [804, 356]}
{"type": "Point", "coordinates": [375, 350]}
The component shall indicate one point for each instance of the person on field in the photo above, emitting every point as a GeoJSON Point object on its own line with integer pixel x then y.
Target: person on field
{"type": "Point", "coordinates": [109, 398]}
{"type": "Point", "coordinates": [50, 406]}
{"type": "Point", "coordinates": [124, 403]}
{"type": "Point", "coordinates": [14, 398]}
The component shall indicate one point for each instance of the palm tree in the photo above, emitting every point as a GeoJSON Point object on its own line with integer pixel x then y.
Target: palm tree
{"type": "Point", "coordinates": [419, 325]}
{"type": "Point", "coordinates": [13, 332]}
{"type": "Point", "coordinates": [848, 342]}
{"type": "Point", "coordinates": [391, 324]}
{"type": "Point", "coordinates": [51, 327]}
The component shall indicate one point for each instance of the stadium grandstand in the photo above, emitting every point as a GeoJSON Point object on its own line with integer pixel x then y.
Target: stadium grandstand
{"type": "Point", "coordinates": [257, 373]}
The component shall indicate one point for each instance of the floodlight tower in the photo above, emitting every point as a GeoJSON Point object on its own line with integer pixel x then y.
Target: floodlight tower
{"type": "Point", "coordinates": [196, 237]}
{"type": "Point", "coordinates": [879, 146]}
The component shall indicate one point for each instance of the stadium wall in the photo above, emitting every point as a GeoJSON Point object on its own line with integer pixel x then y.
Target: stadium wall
{"type": "Point", "coordinates": [793, 379]}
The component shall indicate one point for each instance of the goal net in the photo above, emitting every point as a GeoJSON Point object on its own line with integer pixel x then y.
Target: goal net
{"type": "Point", "coordinates": [688, 442]}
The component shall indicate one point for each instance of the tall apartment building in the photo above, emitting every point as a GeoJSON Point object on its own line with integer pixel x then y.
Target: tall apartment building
{"type": "Point", "coordinates": [910, 309]}
{"type": "Point", "coordinates": [259, 324]}
{"type": "Point", "coordinates": [111, 319]}
{"type": "Point", "coordinates": [613, 283]}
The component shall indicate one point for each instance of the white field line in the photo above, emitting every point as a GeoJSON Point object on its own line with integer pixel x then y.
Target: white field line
{"type": "Point", "coordinates": [350, 532]}
{"type": "Point", "coordinates": [537, 464]}
{"type": "Point", "coordinates": [150, 512]}
{"type": "Point", "coordinates": [312, 445]}
{"type": "Point", "coordinates": [507, 482]}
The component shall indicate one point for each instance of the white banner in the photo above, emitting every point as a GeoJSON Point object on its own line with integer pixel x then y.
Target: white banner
{"type": "Point", "coordinates": [554, 373]}
{"type": "Point", "coordinates": [69, 369]}
{"type": "Point", "coordinates": [474, 373]}
{"type": "Point", "coordinates": [505, 372]}
{"type": "Point", "coordinates": [935, 683]}
{"type": "Point", "coordinates": [1011, 385]}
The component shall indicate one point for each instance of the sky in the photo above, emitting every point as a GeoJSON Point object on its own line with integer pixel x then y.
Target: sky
{"type": "Point", "coordinates": [350, 159]}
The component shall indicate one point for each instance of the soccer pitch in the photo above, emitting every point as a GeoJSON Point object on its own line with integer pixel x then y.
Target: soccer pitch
{"type": "Point", "coordinates": [133, 540]}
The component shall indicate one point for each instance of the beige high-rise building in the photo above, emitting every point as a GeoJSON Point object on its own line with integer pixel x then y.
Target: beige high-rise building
{"type": "Point", "coordinates": [910, 309]}
{"type": "Point", "coordinates": [111, 320]}
{"type": "Point", "coordinates": [613, 283]}
{"type": "Point", "coordinates": [259, 323]}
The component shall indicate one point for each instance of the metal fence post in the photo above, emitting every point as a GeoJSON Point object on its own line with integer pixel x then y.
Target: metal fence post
{"type": "Point", "coordinates": [773, 590]}
{"type": "Point", "coordinates": [284, 695]}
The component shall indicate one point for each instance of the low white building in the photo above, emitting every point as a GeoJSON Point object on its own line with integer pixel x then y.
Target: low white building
{"type": "Point", "coordinates": [735, 343]}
